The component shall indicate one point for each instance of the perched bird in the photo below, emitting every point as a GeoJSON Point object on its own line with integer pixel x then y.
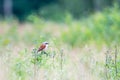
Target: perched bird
{"type": "Point", "coordinates": [43, 46]}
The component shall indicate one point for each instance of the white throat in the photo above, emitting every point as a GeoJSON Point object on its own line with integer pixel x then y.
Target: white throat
{"type": "Point", "coordinates": [46, 47]}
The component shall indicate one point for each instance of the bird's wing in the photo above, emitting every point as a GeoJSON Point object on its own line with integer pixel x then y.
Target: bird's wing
{"type": "Point", "coordinates": [41, 48]}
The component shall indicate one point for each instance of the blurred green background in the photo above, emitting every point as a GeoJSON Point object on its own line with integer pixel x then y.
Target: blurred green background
{"type": "Point", "coordinates": [91, 21]}
{"type": "Point", "coordinates": [53, 9]}
{"type": "Point", "coordinates": [84, 37]}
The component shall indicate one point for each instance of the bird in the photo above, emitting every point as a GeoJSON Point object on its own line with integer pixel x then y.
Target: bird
{"type": "Point", "coordinates": [43, 46]}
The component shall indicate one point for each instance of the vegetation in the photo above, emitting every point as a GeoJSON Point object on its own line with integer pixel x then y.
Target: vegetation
{"type": "Point", "coordinates": [73, 53]}
{"type": "Point", "coordinates": [100, 28]}
{"type": "Point", "coordinates": [77, 8]}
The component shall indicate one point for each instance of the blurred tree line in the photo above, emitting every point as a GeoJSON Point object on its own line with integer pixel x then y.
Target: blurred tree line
{"type": "Point", "coordinates": [47, 8]}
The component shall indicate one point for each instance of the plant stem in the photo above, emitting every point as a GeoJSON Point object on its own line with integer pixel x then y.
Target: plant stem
{"type": "Point", "coordinates": [53, 56]}
{"type": "Point", "coordinates": [35, 66]}
{"type": "Point", "coordinates": [116, 60]}
{"type": "Point", "coordinates": [61, 63]}
{"type": "Point", "coordinates": [106, 64]}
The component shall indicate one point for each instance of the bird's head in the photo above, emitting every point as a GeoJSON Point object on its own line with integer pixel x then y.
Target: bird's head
{"type": "Point", "coordinates": [46, 43]}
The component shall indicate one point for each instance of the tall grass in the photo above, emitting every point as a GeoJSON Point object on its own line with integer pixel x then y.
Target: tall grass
{"type": "Point", "coordinates": [65, 56]}
{"type": "Point", "coordinates": [112, 64]}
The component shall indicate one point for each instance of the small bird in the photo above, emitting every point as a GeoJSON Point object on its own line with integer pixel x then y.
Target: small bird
{"type": "Point", "coordinates": [43, 46]}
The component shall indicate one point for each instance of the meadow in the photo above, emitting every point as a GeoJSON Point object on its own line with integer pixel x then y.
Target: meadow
{"type": "Point", "coordinates": [85, 49]}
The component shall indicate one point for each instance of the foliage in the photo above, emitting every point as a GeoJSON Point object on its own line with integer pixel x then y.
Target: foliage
{"type": "Point", "coordinates": [65, 56]}
{"type": "Point", "coordinates": [77, 8]}
{"type": "Point", "coordinates": [100, 28]}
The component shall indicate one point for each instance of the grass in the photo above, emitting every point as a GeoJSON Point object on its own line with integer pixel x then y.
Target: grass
{"type": "Point", "coordinates": [112, 64]}
{"type": "Point", "coordinates": [77, 48]}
